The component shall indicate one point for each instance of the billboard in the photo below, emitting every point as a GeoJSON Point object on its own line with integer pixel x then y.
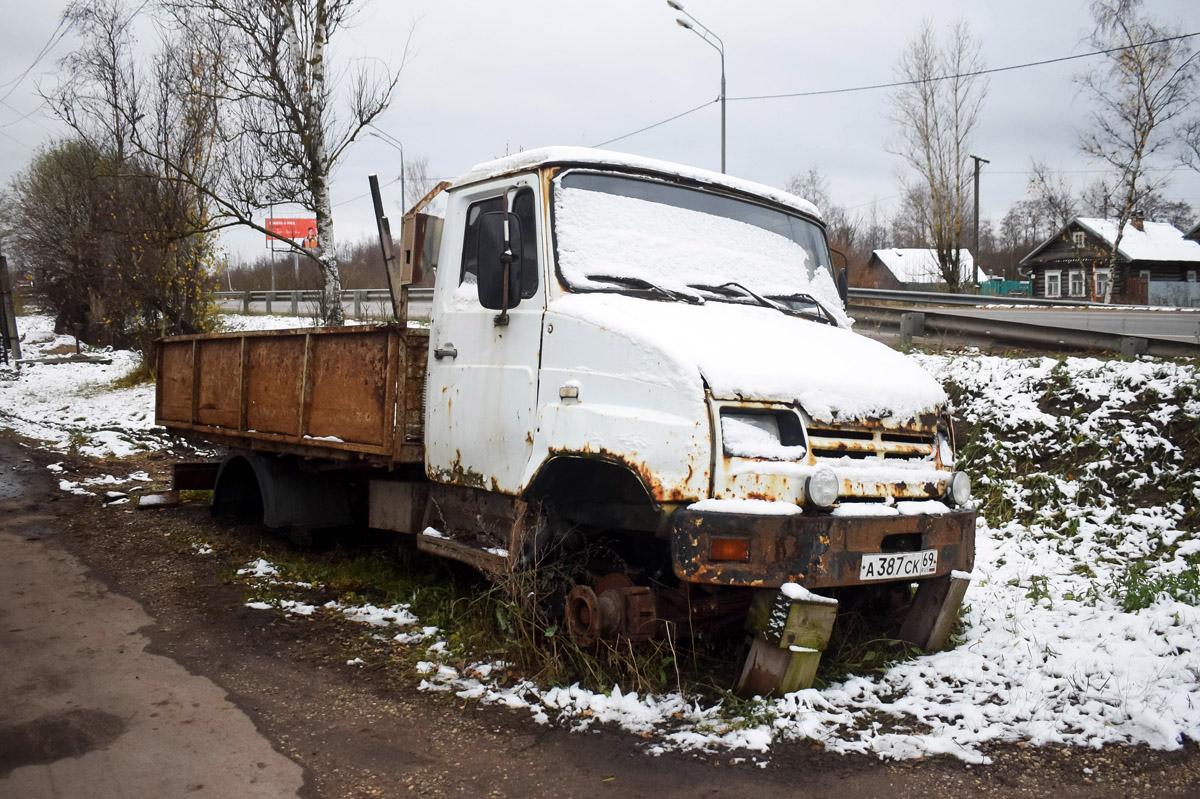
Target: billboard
{"type": "Point", "coordinates": [296, 229]}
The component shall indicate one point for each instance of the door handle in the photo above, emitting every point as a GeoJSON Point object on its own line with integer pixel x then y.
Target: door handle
{"type": "Point", "coordinates": [447, 351]}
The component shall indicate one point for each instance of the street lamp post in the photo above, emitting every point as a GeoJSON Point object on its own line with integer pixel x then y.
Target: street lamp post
{"type": "Point", "coordinates": [700, 29]}
{"type": "Point", "coordinates": [386, 139]}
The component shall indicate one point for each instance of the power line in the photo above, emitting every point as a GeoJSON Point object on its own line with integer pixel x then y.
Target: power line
{"type": "Point", "coordinates": [895, 84]}
{"type": "Point", "coordinates": [59, 32]}
{"type": "Point", "coordinates": [967, 74]}
{"type": "Point", "coordinates": [656, 124]}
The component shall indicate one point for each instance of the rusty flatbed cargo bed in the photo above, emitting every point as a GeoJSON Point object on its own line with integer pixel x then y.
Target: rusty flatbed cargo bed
{"type": "Point", "coordinates": [345, 393]}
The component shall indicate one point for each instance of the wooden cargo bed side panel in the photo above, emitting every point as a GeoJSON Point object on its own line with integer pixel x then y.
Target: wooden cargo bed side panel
{"type": "Point", "coordinates": [175, 382]}
{"type": "Point", "coordinates": [220, 386]}
{"type": "Point", "coordinates": [275, 365]}
{"type": "Point", "coordinates": [350, 388]}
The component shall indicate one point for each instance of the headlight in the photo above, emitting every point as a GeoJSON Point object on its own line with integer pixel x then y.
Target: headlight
{"type": "Point", "coordinates": [960, 488]}
{"type": "Point", "coordinates": [822, 487]}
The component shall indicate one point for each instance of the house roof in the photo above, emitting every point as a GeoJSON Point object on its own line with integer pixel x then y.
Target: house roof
{"type": "Point", "coordinates": [1158, 242]}
{"type": "Point", "coordinates": [921, 266]}
{"type": "Point", "coordinates": [1193, 234]}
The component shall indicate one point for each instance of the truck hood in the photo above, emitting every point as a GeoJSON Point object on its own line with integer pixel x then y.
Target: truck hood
{"type": "Point", "coordinates": [759, 354]}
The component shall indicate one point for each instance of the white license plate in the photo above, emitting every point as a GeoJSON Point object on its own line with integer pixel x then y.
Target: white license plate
{"type": "Point", "coordinates": [898, 565]}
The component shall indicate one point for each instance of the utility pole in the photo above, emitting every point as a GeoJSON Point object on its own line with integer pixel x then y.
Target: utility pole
{"type": "Point", "coordinates": [975, 258]}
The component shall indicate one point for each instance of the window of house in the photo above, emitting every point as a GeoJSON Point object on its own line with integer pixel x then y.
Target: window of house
{"type": "Point", "coordinates": [524, 209]}
{"type": "Point", "coordinates": [1191, 275]}
{"type": "Point", "coordinates": [1078, 238]}
{"type": "Point", "coordinates": [1076, 279]}
{"type": "Point", "coordinates": [1101, 283]}
{"type": "Point", "coordinates": [1054, 284]}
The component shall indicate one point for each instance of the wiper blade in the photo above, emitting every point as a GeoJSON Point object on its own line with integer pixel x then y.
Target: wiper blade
{"type": "Point", "coordinates": [824, 315]}
{"type": "Point", "coordinates": [761, 300]}
{"type": "Point", "coordinates": [642, 283]}
{"type": "Point", "coordinates": [733, 287]}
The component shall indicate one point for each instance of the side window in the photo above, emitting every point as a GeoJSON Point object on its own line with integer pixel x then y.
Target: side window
{"type": "Point", "coordinates": [525, 209]}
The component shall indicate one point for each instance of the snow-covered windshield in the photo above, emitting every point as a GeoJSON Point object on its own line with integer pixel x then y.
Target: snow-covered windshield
{"type": "Point", "coordinates": [616, 233]}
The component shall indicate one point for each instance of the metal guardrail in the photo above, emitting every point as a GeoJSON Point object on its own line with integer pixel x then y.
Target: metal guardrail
{"type": "Point", "coordinates": [292, 299]}
{"type": "Point", "coordinates": [924, 322]}
{"type": "Point", "coordinates": [940, 298]}
{"type": "Point", "coordinates": [987, 331]}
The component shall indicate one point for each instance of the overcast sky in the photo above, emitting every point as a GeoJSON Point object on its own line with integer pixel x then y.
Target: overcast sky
{"type": "Point", "coordinates": [486, 78]}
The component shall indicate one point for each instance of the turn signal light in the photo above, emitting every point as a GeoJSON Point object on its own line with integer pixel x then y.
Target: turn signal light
{"type": "Point", "coordinates": [730, 549]}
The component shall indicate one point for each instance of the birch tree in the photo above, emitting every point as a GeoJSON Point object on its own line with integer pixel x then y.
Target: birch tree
{"type": "Point", "coordinates": [1140, 93]}
{"type": "Point", "coordinates": [937, 112]}
{"type": "Point", "coordinates": [287, 118]}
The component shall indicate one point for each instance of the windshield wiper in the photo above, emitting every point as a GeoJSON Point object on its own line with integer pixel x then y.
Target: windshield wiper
{"type": "Point", "coordinates": [642, 283]}
{"type": "Point", "coordinates": [824, 315]}
{"type": "Point", "coordinates": [729, 288]}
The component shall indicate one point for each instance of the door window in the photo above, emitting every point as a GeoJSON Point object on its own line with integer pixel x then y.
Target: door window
{"type": "Point", "coordinates": [524, 208]}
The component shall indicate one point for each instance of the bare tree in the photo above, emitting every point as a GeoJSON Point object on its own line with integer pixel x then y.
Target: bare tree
{"type": "Point", "coordinates": [417, 181]}
{"type": "Point", "coordinates": [146, 268]}
{"type": "Point", "coordinates": [1140, 93]}
{"type": "Point", "coordinates": [1051, 194]}
{"type": "Point", "coordinates": [1190, 145]}
{"type": "Point", "coordinates": [937, 111]}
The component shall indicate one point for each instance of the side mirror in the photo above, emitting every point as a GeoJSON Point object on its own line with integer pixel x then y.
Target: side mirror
{"type": "Point", "coordinates": [843, 286]}
{"type": "Point", "coordinates": [491, 270]}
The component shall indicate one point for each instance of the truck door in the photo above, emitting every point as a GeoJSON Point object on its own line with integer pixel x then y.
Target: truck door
{"type": "Point", "coordinates": [482, 386]}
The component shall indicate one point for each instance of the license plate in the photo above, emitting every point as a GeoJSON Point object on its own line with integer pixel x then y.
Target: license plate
{"type": "Point", "coordinates": [898, 565]}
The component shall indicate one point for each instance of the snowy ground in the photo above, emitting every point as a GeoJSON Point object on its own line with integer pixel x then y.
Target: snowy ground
{"type": "Point", "coordinates": [1081, 625]}
{"type": "Point", "coordinates": [76, 405]}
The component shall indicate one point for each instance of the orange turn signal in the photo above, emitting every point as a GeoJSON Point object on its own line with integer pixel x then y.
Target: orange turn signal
{"type": "Point", "coordinates": [730, 549]}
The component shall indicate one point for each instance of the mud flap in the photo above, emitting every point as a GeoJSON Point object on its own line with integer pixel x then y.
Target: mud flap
{"type": "Point", "coordinates": [934, 611]}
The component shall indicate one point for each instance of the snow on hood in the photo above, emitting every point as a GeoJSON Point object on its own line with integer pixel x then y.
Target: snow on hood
{"type": "Point", "coordinates": [758, 354]}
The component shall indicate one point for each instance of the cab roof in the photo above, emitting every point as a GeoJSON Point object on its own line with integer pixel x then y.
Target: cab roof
{"type": "Point", "coordinates": [587, 156]}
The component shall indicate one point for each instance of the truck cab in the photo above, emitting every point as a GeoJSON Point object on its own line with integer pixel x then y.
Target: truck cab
{"type": "Point", "coordinates": [673, 356]}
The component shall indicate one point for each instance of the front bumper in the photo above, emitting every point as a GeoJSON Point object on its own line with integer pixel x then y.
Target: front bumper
{"type": "Point", "coordinates": [812, 549]}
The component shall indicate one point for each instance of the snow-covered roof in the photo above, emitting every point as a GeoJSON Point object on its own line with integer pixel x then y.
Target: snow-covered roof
{"type": "Point", "coordinates": [1159, 241]}
{"type": "Point", "coordinates": [530, 159]}
{"type": "Point", "coordinates": [921, 266]}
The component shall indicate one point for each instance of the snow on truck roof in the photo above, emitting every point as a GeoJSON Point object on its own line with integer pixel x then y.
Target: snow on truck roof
{"type": "Point", "coordinates": [530, 159]}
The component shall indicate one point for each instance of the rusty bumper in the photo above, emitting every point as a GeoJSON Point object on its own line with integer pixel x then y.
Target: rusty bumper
{"type": "Point", "coordinates": [815, 550]}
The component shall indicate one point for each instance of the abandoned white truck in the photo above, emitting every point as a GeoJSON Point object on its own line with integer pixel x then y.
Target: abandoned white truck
{"type": "Point", "coordinates": [620, 348]}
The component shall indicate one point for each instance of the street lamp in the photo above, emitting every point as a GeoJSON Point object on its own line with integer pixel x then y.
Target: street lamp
{"type": "Point", "coordinates": [700, 29]}
{"type": "Point", "coordinates": [386, 139]}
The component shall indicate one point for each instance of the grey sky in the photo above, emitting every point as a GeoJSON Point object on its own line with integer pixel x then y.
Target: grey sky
{"type": "Point", "coordinates": [486, 78]}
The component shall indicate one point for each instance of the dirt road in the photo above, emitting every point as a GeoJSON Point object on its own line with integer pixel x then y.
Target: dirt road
{"type": "Point", "coordinates": [150, 622]}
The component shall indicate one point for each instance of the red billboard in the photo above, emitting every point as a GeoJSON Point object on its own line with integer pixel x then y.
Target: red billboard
{"type": "Point", "coordinates": [304, 229]}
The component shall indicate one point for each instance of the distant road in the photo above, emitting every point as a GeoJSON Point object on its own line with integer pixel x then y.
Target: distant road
{"type": "Point", "coordinates": [1174, 325]}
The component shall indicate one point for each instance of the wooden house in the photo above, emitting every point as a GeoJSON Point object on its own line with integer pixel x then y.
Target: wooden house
{"type": "Point", "coordinates": [1155, 263]}
{"type": "Point", "coordinates": [909, 270]}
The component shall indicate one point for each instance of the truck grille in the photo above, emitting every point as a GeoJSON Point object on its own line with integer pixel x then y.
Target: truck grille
{"type": "Point", "coordinates": [850, 442]}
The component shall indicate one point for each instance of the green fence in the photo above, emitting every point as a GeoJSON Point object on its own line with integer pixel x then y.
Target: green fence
{"type": "Point", "coordinates": [1005, 288]}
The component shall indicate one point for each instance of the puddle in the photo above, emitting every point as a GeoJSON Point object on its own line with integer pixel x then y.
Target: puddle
{"type": "Point", "coordinates": [56, 737]}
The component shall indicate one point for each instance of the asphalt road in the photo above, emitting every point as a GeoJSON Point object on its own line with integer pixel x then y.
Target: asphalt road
{"type": "Point", "coordinates": [1174, 325]}
{"type": "Point", "coordinates": [87, 708]}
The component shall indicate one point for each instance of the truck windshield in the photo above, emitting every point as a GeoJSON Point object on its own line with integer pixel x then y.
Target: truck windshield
{"type": "Point", "coordinates": [619, 233]}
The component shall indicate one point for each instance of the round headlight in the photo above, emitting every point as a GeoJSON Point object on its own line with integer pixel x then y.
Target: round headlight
{"type": "Point", "coordinates": [960, 488]}
{"type": "Point", "coordinates": [822, 487]}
